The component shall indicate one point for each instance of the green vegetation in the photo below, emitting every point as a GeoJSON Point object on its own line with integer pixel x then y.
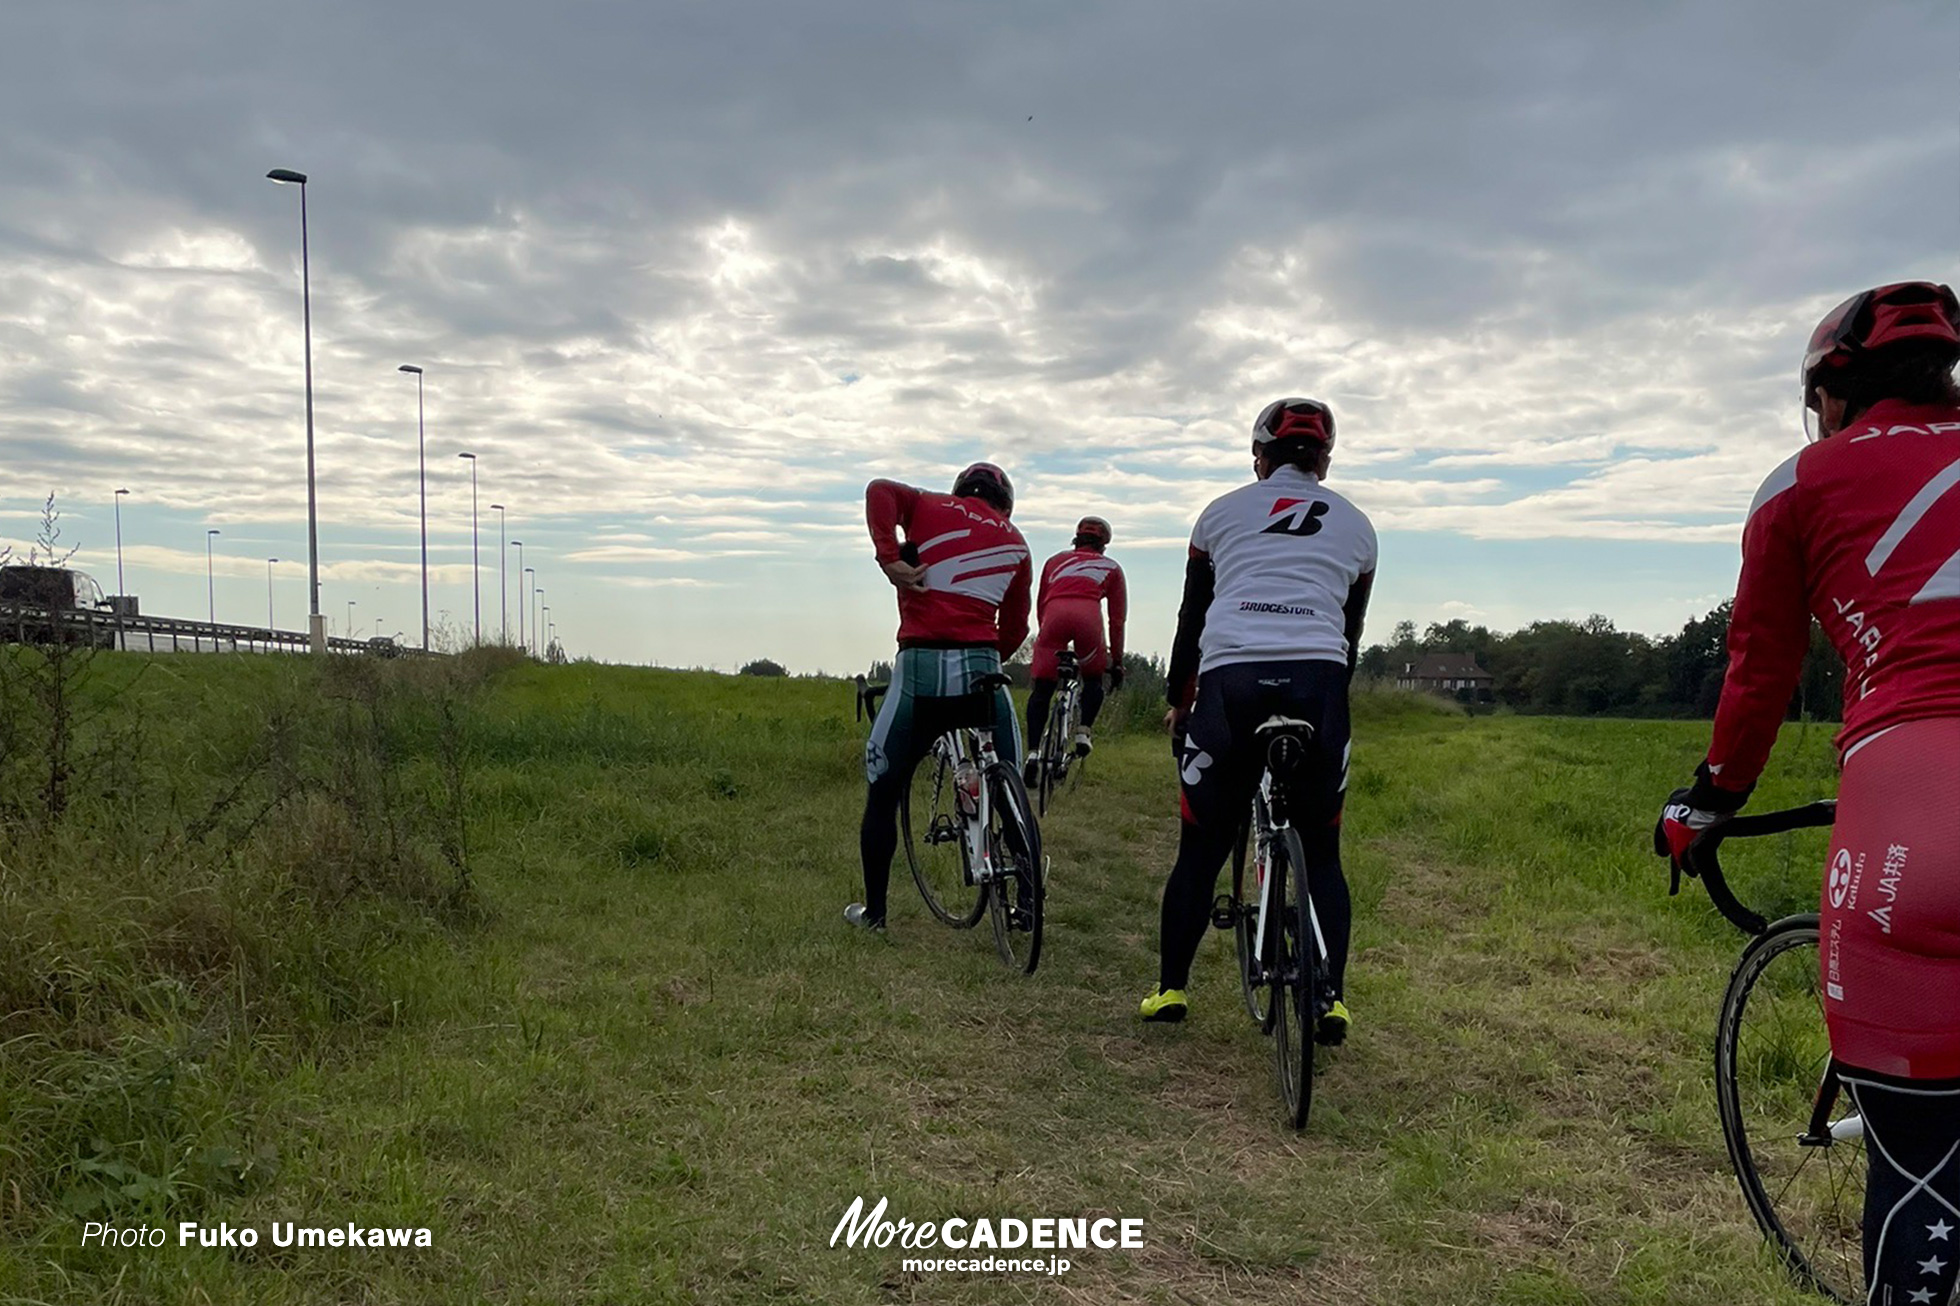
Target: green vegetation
{"type": "Point", "coordinates": [1589, 668]}
{"type": "Point", "coordinates": [599, 1027]}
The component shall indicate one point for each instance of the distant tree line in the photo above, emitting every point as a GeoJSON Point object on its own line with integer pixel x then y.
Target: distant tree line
{"type": "Point", "coordinates": [1566, 668]}
{"type": "Point", "coordinates": [1590, 668]}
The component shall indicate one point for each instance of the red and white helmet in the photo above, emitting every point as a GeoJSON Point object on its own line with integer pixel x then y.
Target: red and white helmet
{"type": "Point", "coordinates": [988, 483]}
{"type": "Point", "coordinates": [1872, 320]}
{"type": "Point", "coordinates": [1094, 528]}
{"type": "Point", "coordinates": [1294, 419]}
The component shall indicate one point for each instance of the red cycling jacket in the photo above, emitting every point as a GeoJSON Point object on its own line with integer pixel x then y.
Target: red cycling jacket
{"type": "Point", "coordinates": [1863, 531]}
{"type": "Point", "coordinates": [1087, 576]}
{"type": "Point", "coordinates": [978, 568]}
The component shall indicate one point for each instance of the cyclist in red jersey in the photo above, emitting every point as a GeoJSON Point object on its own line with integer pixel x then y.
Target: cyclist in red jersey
{"type": "Point", "coordinates": [1861, 530]}
{"type": "Point", "coordinates": [1074, 585]}
{"type": "Point", "coordinates": [963, 576]}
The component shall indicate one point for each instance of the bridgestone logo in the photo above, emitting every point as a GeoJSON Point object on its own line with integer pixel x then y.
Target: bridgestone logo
{"type": "Point", "coordinates": [1277, 609]}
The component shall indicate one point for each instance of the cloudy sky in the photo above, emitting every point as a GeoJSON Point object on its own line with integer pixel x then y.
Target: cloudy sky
{"type": "Point", "coordinates": [685, 275]}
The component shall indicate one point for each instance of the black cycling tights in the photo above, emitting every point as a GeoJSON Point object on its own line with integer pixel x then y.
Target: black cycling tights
{"type": "Point", "coordinates": [1201, 855]}
{"type": "Point", "coordinates": [1042, 692]}
{"type": "Point", "coordinates": [1912, 1197]}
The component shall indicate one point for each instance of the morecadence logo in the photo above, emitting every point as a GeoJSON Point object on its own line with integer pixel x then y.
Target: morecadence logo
{"type": "Point", "coordinates": [860, 1228]}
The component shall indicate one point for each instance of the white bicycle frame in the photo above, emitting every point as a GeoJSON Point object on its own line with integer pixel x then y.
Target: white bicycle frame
{"type": "Point", "coordinates": [1262, 841]}
{"type": "Point", "coordinates": [975, 748]}
{"type": "Point", "coordinates": [1067, 705]}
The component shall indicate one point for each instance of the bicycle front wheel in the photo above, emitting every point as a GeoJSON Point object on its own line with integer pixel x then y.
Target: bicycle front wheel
{"type": "Point", "coordinates": [1295, 971]}
{"type": "Point", "coordinates": [935, 845]}
{"type": "Point", "coordinates": [1246, 883]}
{"type": "Point", "coordinates": [1772, 1074]}
{"type": "Point", "coordinates": [1016, 897]}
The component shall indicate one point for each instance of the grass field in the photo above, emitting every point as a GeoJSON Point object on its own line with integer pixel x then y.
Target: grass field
{"type": "Point", "coordinates": [635, 1056]}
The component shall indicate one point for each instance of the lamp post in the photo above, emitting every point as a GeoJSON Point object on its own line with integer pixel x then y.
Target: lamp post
{"type": "Point", "coordinates": [530, 602]}
{"type": "Point", "coordinates": [210, 584]}
{"type": "Point", "coordinates": [522, 601]}
{"type": "Point", "coordinates": [120, 590]}
{"type": "Point", "coordinates": [476, 588]}
{"type": "Point", "coordinates": [549, 626]}
{"type": "Point", "coordinates": [537, 623]}
{"type": "Point", "coordinates": [270, 625]}
{"type": "Point", "coordinates": [316, 624]}
{"type": "Point", "coordinates": [422, 474]}
{"type": "Point", "coordinates": [350, 618]}
{"type": "Point", "coordinates": [503, 591]}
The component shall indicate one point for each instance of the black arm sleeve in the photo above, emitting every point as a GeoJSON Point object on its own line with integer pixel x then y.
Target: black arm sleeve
{"type": "Point", "coordinates": [1199, 582]}
{"type": "Point", "coordinates": [1354, 612]}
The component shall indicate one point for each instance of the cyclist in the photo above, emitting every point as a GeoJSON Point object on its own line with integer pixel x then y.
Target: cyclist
{"type": "Point", "coordinates": [1861, 529]}
{"type": "Point", "coordinates": [1275, 591]}
{"type": "Point", "coordinates": [1074, 584]}
{"type": "Point", "coordinates": [963, 575]}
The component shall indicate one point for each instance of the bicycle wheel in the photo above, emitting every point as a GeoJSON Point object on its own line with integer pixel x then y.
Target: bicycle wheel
{"type": "Point", "coordinates": [1053, 752]}
{"type": "Point", "coordinates": [1772, 1066]}
{"type": "Point", "coordinates": [928, 817]}
{"type": "Point", "coordinates": [1016, 897]}
{"type": "Point", "coordinates": [1246, 882]}
{"type": "Point", "coordinates": [1295, 972]}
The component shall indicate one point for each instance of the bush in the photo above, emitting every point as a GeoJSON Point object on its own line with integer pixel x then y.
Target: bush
{"type": "Point", "coordinates": [764, 667]}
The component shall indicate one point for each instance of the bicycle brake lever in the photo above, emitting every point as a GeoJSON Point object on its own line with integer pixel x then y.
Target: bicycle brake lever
{"type": "Point", "coordinates": [1673, 878]}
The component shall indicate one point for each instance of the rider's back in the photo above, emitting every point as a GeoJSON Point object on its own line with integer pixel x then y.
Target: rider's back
{"type": "Point", "coordinates": [972, 555]}
{"type": "Point", "coordinates": [1078, 574]}
{"type": "Point", "coordinates": [1863, 531]}
{"type": "Point", "coordinates": [1285, 554]}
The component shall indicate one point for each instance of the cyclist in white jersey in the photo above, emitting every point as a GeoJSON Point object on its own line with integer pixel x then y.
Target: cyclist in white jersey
{"type": "Point", "coordinates": [1275, 592]}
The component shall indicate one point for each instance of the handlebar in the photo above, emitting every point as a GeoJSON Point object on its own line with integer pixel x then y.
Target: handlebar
{"type": "Point", "coordinates": [867, 697]}
{"type": "Point", "coordinates": [1703, 855]}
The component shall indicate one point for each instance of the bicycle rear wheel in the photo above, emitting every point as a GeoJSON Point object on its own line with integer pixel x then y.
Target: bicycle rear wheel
{"type": "Point", "coordinates": [1051, 753]}
{"type": "Point", "coordinates": [1295, 971]}
{"type": "Point", "coordinates": [1048, 761]}
{"type": "Point", "coordinates": [1016, 896]}
{"type": "Point", "coordinates": [1772, 1070]}
{"type": "Point", "coordinates": [928, 817]}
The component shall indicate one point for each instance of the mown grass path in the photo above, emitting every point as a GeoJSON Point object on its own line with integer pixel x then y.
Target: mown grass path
{"type": "Point", "coordinates": [663, 1067]}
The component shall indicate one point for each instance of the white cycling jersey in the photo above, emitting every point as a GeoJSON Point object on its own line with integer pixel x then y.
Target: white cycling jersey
{"type": "Point", "coordinates": [1285, 551]}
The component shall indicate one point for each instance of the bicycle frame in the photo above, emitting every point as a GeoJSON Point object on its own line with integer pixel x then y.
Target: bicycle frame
{"type": "Point", "coordinates": [1271, 820]}
{"type": "Point", "coordinates": [1065, 711]}
{"type": "Point", "coordinates": [971, 747]}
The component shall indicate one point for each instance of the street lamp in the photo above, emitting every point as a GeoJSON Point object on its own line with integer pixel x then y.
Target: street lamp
{"type": "Point", "coordinates": [350, 618]}
{"type": "Point", "coordinates": [316, 624]}
{"type": "Point", "coordinates": [210, 585]}
{"type": "Point", "coordinates": [476, 588]}
{"type": "Point", "coordinates": [522, 601]}
{"type": "Point", "coordinates": [120, 590]}
{"type": "Point", "coordinates": [503, 590]}
{"type": "Point", "coordinates": [537, 625]}
{"type": "Point", "coordinates": [530, 602]}
{"type": "Point", "coordinates": [422, 464]}
{"type": "Point", "coordinates": [548, 628]}
{"type": "Point", "coordinates": [270, 625]}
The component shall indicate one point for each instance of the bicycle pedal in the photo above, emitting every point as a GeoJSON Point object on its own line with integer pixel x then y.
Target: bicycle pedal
{"type": "Point", "coordinates": [1224, 912]}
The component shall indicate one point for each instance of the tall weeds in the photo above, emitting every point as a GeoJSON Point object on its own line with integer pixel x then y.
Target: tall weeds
{"type": "Point", "coordinates": [202, 876]}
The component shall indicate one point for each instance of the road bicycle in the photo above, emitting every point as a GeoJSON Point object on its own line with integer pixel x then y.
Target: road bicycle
{"type": "Point", "coordinates": [969, 832]}
{"type": "Point", "coordinates": [1055, 760]}
{"type": "Point", "coordinates": [1281, 952]}
{"type": "Point", "coordinates": [1796, 1142]}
